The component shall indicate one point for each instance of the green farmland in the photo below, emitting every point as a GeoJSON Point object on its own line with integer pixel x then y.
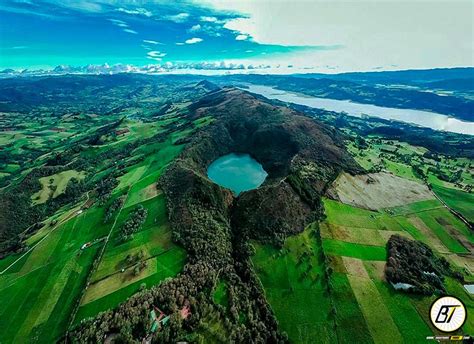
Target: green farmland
{"type": "Point", "coordinates": [40, 290]}
{"type": "Point", "coordinates": [390, 316]}
{"type": "Point", "coordinates": [113, 230]}
{"type": "Point", "coordinates": [296, 286]}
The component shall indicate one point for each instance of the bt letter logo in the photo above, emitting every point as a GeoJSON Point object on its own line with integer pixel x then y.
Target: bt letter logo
{"type": "Point", "coordinates": [448, 314]}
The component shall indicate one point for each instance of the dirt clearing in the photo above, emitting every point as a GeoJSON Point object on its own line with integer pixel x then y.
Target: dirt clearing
{"type": "Point", "coordinates": [375, 191]}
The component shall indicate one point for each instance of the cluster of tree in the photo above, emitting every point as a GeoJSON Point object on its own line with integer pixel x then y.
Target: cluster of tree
{"type": "Point", "coordinates": [431, 156]}
{"type": "Point", "coordinates": [418, 171]}
{"type": "Point", "coordinates": [105, 187]}
{"type": "Point", "coordinates": [131, 259]}
{"type": "Point", "coordinates": [97, 138]}
{"type": "Point", "coordinates": [134, 222]}
{"type": "Point", "coordinates": [414, 264]}
{"type": "Point", "coordinates": [116, 205]}
{"type": "Point", "coordinates": [16, 211]}
{"type": "Point", "coordinates": [139, 267]}
{"type": "Point", "coordinates": [57, 159]}
{"type": "Point", "coordinates": [454, 177]}
{"type": "Point", "coordinates": [18, 216]}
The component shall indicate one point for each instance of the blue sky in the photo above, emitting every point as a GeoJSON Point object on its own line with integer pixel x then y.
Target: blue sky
{"type": "Point", "coordinates": [243, 35]}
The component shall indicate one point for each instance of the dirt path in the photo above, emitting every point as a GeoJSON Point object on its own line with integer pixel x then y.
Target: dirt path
{"type": "Point", "coordinates": [454, 212]}
{"type": "Point", "coordinates": [95, 265]}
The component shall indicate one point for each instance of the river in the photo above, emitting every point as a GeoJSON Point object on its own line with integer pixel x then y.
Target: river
{"type": "Point", "coordinates": [422, 118]}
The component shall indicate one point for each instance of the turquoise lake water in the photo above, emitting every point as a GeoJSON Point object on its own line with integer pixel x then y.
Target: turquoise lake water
{"type": "Point", "coordinates": [237, 172]}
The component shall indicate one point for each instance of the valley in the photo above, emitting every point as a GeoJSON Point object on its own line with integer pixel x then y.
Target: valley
{"type": "Point", "coordinates": [111, 210]}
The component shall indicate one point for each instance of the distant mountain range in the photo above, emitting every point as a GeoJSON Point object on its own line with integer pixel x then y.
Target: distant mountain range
{"type": "Point", "coordinates": [447, 91]}
{"type": "Point", "coordinates": [403, 76]}
{"type": "Point", "coordinates": [407, 77]}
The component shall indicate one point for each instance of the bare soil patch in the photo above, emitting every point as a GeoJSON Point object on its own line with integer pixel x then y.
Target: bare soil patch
{"type": "Point", "coordinates": [376, 191]}
{"type": "Point", "coordinates": [355, 267]}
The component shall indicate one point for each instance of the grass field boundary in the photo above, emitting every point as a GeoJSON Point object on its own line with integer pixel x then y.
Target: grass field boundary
{"type": "Point", "coordinates": [454, 212]}
{"type": "Point", "coordinates": [95, 264]}
{"type": "Point", "coordinates": [413, 212]}
{"type": "Point", "coordinates": [362, 287]}
{"type": "Point", "coordinates": [130, 265]}
{"type": "Point", "coordinates": [47, 235]}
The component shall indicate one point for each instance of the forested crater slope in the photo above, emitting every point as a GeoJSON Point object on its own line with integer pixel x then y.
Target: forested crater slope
{"type": "Point", "coordinates": [302, 157]}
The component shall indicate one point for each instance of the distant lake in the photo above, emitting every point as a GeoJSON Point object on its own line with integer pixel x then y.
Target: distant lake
{"type": "Point", "coordinates": [469, 288]}
{"type": "Point", "coordinates": [422, 118]}
{"type": "Point", "coordinates": [237, 172]}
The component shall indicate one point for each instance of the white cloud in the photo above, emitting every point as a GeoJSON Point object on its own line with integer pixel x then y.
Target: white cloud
{"type": "Point", "coordinates": [195, 28]}
{"type": "Point", "coordinates": [149, 41]}
{"type": "Point", "coordinates": [137, 11]}
{"type": "Point", "coordinates": [193, 40]}
{"type": "Point", "coordinates": [178, 18]}
{"type": "Point", "coordinates": [408, 34]}
{"type": "Point", "coordinates": [241, 37]}
{"type": "Point", "coordinates": [179, 43]}
{"type": "Point", "coordinates": [117, 22]}
{"type": "Point", "coordinates": [86, 6]}
{"type": "Point", "coordinates": [130, 31]}
{"type": "Point", "coordinates": [208, 19]}
{"type": "Point", "coordinates": [156, 54]}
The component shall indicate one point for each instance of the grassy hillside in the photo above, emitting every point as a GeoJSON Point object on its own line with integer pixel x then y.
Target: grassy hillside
{"type": "Point", "coordinates": [391, 316]}
{"type": "Point", "coordinates": [43, 287]}
{"type": "Point", "coordinates": [106, 213]}
{"type": "Point", "coordinates": [458, 200]}
{"type": "Point", "coordinates": [297, 288]}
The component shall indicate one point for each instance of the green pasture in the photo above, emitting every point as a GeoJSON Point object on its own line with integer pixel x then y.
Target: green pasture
{"type": "Point", "coordinates": [220, 295]}
{"type": "Point", "coordinates": [460, 201]}
{"type": "Point", "coordinates": [57, 181]}
{"type": "Point", "coordinates": [365, 252]}
{"type": "Point", "coordinates": [168, 264]}
{"type": "Point", "coordinates": [346, 215]}
{"type": "Point", "coordinates": [295, 287]}
{"type": "Point", "coordinates": [351, 324]}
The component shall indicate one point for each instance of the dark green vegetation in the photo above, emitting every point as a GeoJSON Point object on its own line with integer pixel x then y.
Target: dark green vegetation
{"type": "Point", "coordinates": [414, 263]}
{"type": "Point", "coordinates": [215, 230]}
{"type": "Point", "coordinates": [114, 195]}
{"type": "Point", "coordinates": [133, 223]}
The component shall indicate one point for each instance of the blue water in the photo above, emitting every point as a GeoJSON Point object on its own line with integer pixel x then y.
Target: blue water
{"type": "Point", "coordinates": [237, 172]}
